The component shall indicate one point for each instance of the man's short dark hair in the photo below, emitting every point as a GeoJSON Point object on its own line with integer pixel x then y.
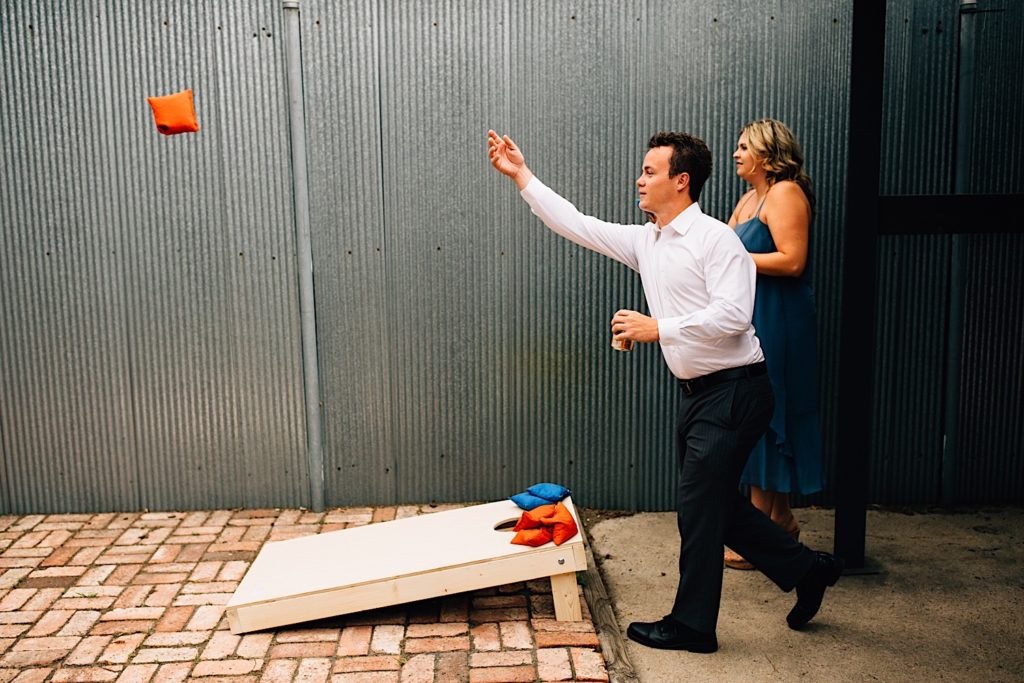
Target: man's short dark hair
{"type": "Point", "coordinates": [689, 155]}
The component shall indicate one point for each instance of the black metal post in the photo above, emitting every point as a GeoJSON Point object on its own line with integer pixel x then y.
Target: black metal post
{"type": "Point", "coordinates": [857, 350]}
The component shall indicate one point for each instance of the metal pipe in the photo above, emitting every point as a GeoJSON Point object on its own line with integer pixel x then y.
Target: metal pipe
{"type": "Point", "coordinates": [957, 272]}
{"type": "Point", "coordinates": [304, 256]}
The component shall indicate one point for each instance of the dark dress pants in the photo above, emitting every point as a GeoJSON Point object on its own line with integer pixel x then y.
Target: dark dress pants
{"type": "Point", "coordinates": [717, 428]}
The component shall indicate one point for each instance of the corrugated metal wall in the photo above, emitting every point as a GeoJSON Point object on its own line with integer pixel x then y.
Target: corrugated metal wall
{"type": "Point", "coordinates": [150, 337]}
{"type": "Point", "coordinates": [66, 383]}
{"type": "Point", "coordinates": [915, 272]}
{"type": "Point", "coordinates": [912, 296]}
{"type": "Point", "coordinates": [150, 332]}
{"type": "Point", "coordinates": [465, 348]}
{"type": "Point", "coordinates": [990, 462]}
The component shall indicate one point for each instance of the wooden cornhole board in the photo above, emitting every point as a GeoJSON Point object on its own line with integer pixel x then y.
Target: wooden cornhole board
{"type": "Point", "coordinates": [389, 563]}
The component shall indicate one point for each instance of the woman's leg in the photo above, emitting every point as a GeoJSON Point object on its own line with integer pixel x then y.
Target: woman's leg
{"type": "Point", "coordinates": [763, 501]}
{"type": "Point", "coordinates": [782, 515]}
{"type": "Point", "coordinates": [774, 505]}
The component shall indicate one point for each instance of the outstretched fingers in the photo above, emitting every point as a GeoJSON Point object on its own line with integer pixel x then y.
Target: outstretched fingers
{"type": "Point", "coordinates": [494, 140]}
{"type": "Point", "coordinates": [494, 146]}
{"type": "Point", "coordinates": [499, 152]}
{"type": "Point", "coordinates": [506, 157]}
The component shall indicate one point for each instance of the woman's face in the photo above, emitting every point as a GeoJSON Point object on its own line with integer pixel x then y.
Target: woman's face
{"type": "Point", "coordinates": [747, 165]}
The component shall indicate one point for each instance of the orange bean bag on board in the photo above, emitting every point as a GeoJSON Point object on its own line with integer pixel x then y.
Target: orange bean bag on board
{"type": "Point", "coordinates": [174, 113]}
{"type": "Point", "coordinates": [545, 523]}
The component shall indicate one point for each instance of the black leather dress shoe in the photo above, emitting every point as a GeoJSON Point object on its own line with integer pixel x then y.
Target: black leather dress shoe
{"type": "Point", "coordinates": [669, 634]}
{"type": "Point", "coordinates": [823, 573]}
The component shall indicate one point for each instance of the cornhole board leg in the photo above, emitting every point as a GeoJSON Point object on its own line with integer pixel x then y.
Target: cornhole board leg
{"type": "Point", "coordinates": [566, 597]}
{"type": "Point", "coordinates": [389, 563]}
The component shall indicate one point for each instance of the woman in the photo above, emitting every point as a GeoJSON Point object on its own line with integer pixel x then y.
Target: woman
{"type": "Point", "coordinates": [773, 220]}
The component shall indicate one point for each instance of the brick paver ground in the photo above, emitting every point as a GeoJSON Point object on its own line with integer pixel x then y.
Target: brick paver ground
{"type": "Point", "coordinates": [139, 597]}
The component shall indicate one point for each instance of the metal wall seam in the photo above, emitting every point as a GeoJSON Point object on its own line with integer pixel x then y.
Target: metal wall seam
{"type": "Point", "coordinates": [304, 254]}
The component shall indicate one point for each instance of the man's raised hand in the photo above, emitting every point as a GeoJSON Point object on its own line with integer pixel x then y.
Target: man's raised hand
{"type": "Point", "coordinates": [508, 159]}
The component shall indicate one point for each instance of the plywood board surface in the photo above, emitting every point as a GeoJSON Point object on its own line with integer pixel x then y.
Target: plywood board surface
{"type": "Point", "coordinates": [385, 552]}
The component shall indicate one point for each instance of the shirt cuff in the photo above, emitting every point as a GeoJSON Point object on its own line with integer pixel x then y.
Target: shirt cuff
{"type": "Point", "coordinates": [668, 331]}
{"type": "Point", "coordinates": [531, 189]}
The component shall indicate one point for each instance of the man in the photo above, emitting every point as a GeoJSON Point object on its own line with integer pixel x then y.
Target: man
{"type": "Point", "coordinates": [699, 284]}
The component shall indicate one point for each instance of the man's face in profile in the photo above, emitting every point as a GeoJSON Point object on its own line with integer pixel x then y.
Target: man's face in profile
{"type": "Point", "coordinates": [657, 190]}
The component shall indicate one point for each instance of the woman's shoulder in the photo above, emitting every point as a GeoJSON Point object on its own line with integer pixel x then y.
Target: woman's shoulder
{"type": "Point", "coordinates": [785, 188]}
{"type": "Point", "coordinates": [786, 193]}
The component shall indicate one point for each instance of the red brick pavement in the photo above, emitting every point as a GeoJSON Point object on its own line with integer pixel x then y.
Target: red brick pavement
{"type": "Point", "coordinates": [139, 598]}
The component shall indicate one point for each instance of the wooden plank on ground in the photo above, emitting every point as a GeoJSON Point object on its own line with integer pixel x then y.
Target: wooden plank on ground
{"type": "Point", "coordinates": [613, 645]}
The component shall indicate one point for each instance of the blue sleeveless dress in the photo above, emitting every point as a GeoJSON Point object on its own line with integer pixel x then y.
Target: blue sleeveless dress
{"type": "Point", "coordinates": [787, 459]}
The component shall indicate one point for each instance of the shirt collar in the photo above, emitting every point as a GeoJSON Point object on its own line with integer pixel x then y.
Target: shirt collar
{"type": "Point", "coordinates": [682, 223]}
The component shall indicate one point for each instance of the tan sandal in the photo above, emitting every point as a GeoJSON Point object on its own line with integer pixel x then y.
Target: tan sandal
{"type": "Point", "coordinates": [734, 560]}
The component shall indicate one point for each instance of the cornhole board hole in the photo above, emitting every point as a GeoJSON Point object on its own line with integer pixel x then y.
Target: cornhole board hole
{"type": "Point", "coordinates": [389, 563]}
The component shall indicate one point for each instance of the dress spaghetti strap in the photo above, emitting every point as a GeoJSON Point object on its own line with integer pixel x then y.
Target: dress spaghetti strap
{"type": "Point", "coordinates": [757, 214]}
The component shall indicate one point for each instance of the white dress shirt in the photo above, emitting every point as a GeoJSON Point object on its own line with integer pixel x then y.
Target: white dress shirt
{"type": "Point", "coordinates": [697, 276]}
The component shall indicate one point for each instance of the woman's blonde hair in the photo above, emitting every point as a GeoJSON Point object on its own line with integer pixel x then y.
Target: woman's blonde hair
{"type": "Point", "coordinates": [775, 146]}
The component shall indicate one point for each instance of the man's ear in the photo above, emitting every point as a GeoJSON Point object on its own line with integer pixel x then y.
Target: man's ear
{"type": "Point", "coordinates": [683, 182]}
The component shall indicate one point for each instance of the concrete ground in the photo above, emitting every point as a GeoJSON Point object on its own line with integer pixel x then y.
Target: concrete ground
{"type": "Point", "coordinates": [139, 598]}
{"type": "Point", "coordinates": [947, 605]}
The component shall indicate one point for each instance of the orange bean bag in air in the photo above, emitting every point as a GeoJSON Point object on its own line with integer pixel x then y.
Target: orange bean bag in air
{"type": "Point", "coordinates": [556, 520]}
{"type": "Point", "coordinates": [174, 113]}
